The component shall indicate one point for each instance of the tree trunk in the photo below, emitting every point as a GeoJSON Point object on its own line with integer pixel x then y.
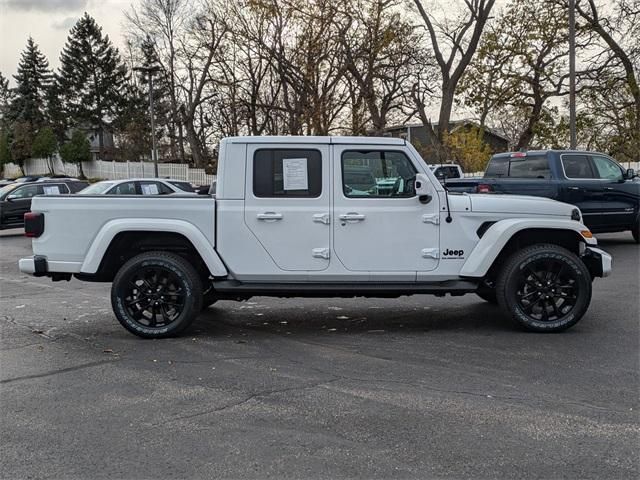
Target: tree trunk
{"type": "Point", "coordinates": [194, 144]}
{"type": "Point", "coordinates": [527, 135]}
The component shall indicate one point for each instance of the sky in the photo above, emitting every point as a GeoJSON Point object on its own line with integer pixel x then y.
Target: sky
{"type": "Point", "coordinates": [49, 22]}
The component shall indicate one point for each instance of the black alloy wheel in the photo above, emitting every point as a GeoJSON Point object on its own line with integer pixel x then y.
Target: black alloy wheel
{"type": "Point", "coordinates": [156, 294]}
{"type": "Point", "coordinates": [545, 288]}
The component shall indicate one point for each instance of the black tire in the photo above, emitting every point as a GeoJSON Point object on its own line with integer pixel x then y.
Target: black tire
{"type": "Point", "coordinates": [635, 231]}
{"type": "Point", "coordinates": [156, 295]}
{"type": "Point", "coordinates": [488, 294]}
{"type": "Point", "coordinates": [545, 288]}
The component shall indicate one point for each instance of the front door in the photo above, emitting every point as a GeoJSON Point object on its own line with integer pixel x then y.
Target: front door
{"type": "Point", "coordinates": [582, 188]}
{"type": "Point", "coordinates": [620, 198]}
{"type": "Point", "coordinates": [287, 204]}
{"type": "Point", "coordinates": [379, 223]}
{"type": "Point", "coordinates": [18, 202]}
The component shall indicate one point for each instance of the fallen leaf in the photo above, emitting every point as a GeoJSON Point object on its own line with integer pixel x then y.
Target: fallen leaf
{"type": "Point", "coordinates": [108, 350]}
{"type": "Point", "coordinates": [39, 332]}
{"type": "Point", "coordinates": [20, 306]}
{"type": "Point", "coordinates": [342, 317]}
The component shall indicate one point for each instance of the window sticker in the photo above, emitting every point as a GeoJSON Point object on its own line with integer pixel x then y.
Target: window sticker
{"type": "Point", "coordinates": [51, 189]}
{"type": "Point", "coordinates": [295, 173]}
{"type": "Point", "coordinates": [149, 189]}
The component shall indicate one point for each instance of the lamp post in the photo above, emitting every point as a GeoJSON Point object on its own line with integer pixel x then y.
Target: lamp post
{"type": "Point", "coordinates": [150, 71]}
{"type": "Point", "coordinates": [572, 73]}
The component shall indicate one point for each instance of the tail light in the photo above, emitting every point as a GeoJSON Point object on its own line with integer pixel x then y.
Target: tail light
{"type": "Point", "coordinates": [484, 188]}
{"type": "Point", "coordinates": [33, 224]}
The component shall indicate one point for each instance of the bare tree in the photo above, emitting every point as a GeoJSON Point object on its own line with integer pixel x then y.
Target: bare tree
{"type": "Point", "coordinates": [461, 37]}
{"type": "Point", "coordinates": [163, 22]}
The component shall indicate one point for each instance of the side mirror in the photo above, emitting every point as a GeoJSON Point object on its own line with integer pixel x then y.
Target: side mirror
{"type": "Point", "coordinates": [423, 188]}
{"type": "Point", "coordinates": [11, 198]}
{"type": "Point", "coordinates": [631, 173]}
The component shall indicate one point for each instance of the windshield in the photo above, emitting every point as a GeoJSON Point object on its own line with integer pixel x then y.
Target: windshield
{"type": "Point", "coordinates": [96, 188]}
{"type": "Point", "coordinates": [4, 191]}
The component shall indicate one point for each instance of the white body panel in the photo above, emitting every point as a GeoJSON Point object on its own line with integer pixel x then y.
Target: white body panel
{"type": "Point", "coordinates": [78, 229]}
{"type": "Point", "coordinates": [249, 238]}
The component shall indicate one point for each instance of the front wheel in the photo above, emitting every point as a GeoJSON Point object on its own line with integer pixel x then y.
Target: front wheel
{"type": "Point", "coordinates": [635, 231]}
{"type": "Point", "coordinates": [545, 288]}
{"type": "Point", "coordinates": [156, 295]}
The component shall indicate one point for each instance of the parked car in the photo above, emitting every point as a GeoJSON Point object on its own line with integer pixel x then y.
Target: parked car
{"type": "Point", "coordinates": [607, 195]}
{"type": "Point", "coordinates": [445, 171]}
{"type": "Point", "coordinates": [287, 222]}
{"type": "Point", "coordinates": [15, 198]}
{"type": "Point", "coordinates": [139, 186]}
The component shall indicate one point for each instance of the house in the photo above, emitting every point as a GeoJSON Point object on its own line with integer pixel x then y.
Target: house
{"type": "Point", "coordinates": [93, 135]}
{"type": "Point", "coordinates": [420, 137]}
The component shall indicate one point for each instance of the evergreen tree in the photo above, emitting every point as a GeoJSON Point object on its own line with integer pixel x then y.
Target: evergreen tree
{"type": "Point", "coordinates": [92, 77]}
{"type": "Point", "coordinates": [76, 150]}
{"type": "Point", "coordinates": [44, 146]}
{"type": "Point", "coordinates": [6, 98]}
{"type": "Point", "coordinates": [21, 143]}
{"type": "Point", "coordinates": [32, 82]}
{"type": "Point", "coordinates": [5, 152]}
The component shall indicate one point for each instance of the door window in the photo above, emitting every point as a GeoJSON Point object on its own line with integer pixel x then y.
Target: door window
{"type": "Point", "coordinates": [126, 188]}
{"type": "Point", "coordinates": [377, 174]}
{"type": "Point", "coordinates": [607, 169]}
{"type": "Point", "coordinates": [54, 189]}
{"type": "Point", "coordinates": [287, 173]}
{"type": "Point", "coordinates": [154, 188]}
{"type": "Point", "coordinates": [27, 191]}
{"type": "Point", "coordinates": [577, 166]}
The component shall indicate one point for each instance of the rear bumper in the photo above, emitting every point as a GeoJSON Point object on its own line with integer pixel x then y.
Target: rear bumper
{"type": "Point", "coordinates": [39, 266]}
{"type": "Point", "coordinates": [598, 262]}
{"type": "Point", "coordinates": [36, 266]}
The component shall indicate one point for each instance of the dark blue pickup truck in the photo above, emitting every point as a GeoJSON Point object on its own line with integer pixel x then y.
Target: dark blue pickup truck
{"type": "Point", "coordinates": [606, 193]}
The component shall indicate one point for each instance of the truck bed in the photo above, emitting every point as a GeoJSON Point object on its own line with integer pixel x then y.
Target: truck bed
{"type": "Point", "coordinates": [72, 222]}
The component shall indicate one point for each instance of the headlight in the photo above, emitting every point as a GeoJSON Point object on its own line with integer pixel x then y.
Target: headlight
{"type": "Point", "coordinates": [575, 215]}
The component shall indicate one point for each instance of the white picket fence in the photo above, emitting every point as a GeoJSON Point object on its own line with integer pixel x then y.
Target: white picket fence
{"type": "Point", "coordinates": [112, 170]}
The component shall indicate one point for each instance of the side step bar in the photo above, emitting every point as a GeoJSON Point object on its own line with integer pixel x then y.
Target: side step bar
{"type": "Point", "coordinates": [234, 289]}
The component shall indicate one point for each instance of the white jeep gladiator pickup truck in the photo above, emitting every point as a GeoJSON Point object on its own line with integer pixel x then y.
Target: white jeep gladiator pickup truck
{"type": "Point", "coordinates": [321, 217]}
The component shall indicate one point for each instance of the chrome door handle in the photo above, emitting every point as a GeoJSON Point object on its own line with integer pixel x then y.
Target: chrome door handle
{"type": "Point", "coordinates": [347, 217]}
{"type": "Point", "coordinates": [573, 188]}
{"type": "Point", "coordinates": [269, 216]}
{"type": "Point", "coordinates": [609, 188]}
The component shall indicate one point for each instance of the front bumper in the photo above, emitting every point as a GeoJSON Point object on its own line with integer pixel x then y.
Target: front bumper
{"type": "Point", "coordinates": [597, 261]}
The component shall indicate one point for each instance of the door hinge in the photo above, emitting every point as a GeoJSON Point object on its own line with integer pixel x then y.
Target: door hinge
{"type": "Point", "coordinates": [431, 218]}
{"type": "Point", "coordinates": [430, 253]}
{"type": "Point", "coordinates": [320, 253]}
{"type": "Point", "coordinates": [322, 218]}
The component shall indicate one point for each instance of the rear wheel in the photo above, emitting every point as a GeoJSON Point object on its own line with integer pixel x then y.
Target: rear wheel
{"type": "Point", "coordinates": [545, 288]}
{"type": "Point", "coordinates": [156, 295]}
{"type": "Point", "coordinates": [635, 231]}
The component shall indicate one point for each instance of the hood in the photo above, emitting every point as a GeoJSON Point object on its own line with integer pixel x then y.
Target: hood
{"type": "Point", "coordinates": [519, 204]}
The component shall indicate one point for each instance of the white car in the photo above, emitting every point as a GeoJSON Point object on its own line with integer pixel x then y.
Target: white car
{"type": "Point", "coordinates": [139, 186]}
{"type": "Point", "coordinates": [446, 170]}
{"type": "Point", "coordinates": [303, 216]}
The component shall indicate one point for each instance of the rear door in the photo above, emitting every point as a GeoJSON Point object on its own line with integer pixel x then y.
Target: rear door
{"type": "Point", "coordinates": [287, 204]}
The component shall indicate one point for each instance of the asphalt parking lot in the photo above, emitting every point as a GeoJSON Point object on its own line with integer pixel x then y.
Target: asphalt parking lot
{"type": "Point", "coordinates": [413, 387]}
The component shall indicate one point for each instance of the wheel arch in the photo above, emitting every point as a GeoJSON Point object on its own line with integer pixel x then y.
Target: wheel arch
{"type": "Point", "coordinates": [118, 241]}
{"type": "Point", "coordinates": [507, 236]}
